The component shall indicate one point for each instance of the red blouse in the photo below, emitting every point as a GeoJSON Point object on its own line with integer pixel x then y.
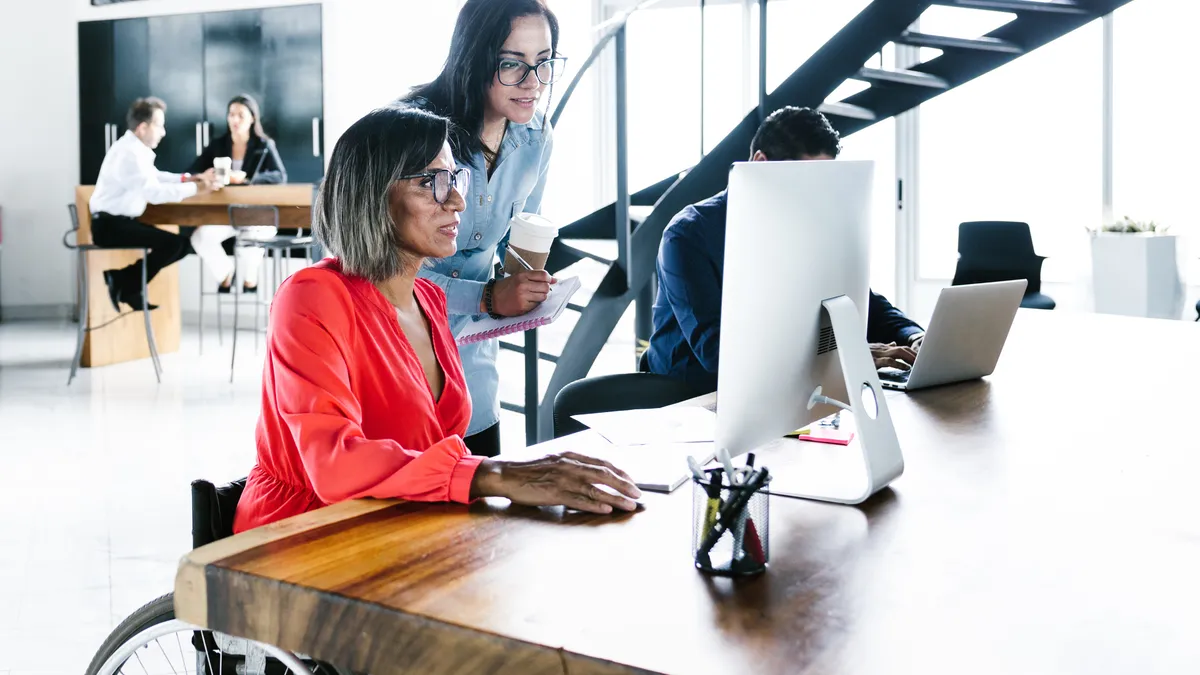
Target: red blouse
{"type": "Point", "coordinates": [347, 411]}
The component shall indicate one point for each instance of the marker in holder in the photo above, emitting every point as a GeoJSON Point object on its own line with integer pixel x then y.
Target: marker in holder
{"type": "Point", "coordinates": [730, 523]}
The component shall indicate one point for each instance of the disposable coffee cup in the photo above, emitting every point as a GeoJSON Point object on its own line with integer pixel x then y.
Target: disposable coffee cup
{"type": "Point", "coordinates": [222, 167]}
{"type": "Point", "coordinates": [530, 237]}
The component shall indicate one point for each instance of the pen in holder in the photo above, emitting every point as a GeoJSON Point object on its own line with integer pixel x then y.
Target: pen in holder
{"type": "Point", "coordinates": [730, 523]}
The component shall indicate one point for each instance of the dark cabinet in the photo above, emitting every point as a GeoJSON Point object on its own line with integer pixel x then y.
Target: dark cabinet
{"type": "Point", "coordinates": [95, 97]}
{"type": "Point", "coordinates": [196, 63]}
{"type": "Point", "coordinates": [177, 77]}
{"type": "Point", "coordinates": [293, 90]}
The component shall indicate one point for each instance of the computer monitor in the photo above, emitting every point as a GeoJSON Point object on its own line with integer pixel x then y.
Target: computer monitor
{"type": "Point", "coordinates": [793, 318]}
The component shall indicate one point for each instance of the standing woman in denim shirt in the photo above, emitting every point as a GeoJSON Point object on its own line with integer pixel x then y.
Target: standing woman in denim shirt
{"type": "Point", "coordinates": [503, 57]}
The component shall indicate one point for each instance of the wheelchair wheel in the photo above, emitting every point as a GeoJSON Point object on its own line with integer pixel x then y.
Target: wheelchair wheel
{"type": "Point", "coordinates": [152, 642]}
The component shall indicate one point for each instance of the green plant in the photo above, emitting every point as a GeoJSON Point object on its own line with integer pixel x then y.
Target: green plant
{"type": "Point", "coordinates": [1129, 225]}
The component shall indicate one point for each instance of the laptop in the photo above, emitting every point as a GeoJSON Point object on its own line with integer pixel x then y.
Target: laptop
{"type": "Point", "coordinates": [968, 330]}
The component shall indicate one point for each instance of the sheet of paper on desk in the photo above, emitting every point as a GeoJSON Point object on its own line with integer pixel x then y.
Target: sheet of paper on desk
{"type": "Point", "coordinates": [653, 425]}
{"type": "Point", "coordinates": [657, 467]}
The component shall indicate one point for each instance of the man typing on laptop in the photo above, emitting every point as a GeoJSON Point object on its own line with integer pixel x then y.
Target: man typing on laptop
{"type": "Point", "coordinates": [687, 313]}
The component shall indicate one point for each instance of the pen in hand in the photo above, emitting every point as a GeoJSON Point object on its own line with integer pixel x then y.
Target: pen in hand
{"type": "Point", "coordinates": [516, 256]}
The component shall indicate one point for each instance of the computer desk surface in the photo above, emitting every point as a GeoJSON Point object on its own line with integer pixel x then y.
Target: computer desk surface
{"type": "Point", "coordinates": [1045, 523]}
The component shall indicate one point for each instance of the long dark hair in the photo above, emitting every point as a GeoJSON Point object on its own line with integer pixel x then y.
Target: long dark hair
{"type": "Point", "coordinates": [352, 214]}
{"type": "Point", "coordinates": [460, 91]}
{"type": "Point", "coordinates": [252, 105]}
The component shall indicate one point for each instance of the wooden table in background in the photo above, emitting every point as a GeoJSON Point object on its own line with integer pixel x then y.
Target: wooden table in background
{"type": "Point", "coordinates": [125, 339]}
{"type": "Point", "coordinates": [1046, 522]}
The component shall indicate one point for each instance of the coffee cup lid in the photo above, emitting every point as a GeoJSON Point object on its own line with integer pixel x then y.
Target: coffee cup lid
{"type": "Point", "coordinates": [536, 222]}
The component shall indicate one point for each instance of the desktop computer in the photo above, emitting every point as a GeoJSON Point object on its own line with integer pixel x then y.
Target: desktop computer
{"type": "Point", "coordinates": [793, 325]}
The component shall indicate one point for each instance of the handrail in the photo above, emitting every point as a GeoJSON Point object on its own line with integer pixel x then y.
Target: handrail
{"type": "Point", "coordinates": [612, 27]}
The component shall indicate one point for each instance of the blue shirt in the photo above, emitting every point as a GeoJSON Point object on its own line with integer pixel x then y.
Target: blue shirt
{"type": "Point", "coordinates": [516, 185]}
{"type": "Point", "coordinates": [686, 342]}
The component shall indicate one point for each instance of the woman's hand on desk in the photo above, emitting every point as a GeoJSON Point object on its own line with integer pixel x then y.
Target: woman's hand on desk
{"type": "Point", "coordinates": [567, 479]}
{"type": "Point", "coordinates": [893, 356]}
{"type": "Point", "coordinates": [520, 293]}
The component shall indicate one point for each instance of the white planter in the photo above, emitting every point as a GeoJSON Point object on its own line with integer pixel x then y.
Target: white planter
{"type": "Point", "coordinates": [1136, 275]}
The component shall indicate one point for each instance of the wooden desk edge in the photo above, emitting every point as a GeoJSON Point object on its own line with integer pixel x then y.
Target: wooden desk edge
{"type": "Point", "coordinates": [191, 586]}
{"type": "Point", "coordinates": [192, 597]}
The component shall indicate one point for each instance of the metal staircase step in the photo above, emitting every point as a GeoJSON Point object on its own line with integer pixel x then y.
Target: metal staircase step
{"type": "Point", "coordinates": [982, 44]}
{"type": "Point", "coordinates": [846, 110]}
{"type": "Point", "coordinates": [907, 77]}
{"type": "Point", "coordinates": [1048, 7]}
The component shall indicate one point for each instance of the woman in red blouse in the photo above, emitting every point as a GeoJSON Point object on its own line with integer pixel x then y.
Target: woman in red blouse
{"type": "Point", "coordinates": [363, 390]}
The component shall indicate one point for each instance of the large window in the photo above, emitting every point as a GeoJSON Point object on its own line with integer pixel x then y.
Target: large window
{"type": "Point", "coordinates": [1155, 139]}
{"type": "Point", "coordinates": [1020, 143]}
{"type": "Point", "coordinates": [571, 189]}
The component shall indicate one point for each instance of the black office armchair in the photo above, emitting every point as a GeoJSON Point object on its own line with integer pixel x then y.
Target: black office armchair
{"type": "Point", "coordinates": [1198, 310]}
{"type": "Point", "coordinates": [610, 393]}
{"type": "Point", "coordinates": [1001, 251]}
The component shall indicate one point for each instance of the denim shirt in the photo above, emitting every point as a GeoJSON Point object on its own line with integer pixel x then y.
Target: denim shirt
{"type": "Point", "coordinates": [516, 186]}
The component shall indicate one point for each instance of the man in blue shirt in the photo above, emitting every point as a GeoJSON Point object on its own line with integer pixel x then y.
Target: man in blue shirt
{"type": "Point", "coordinates": [687, 313]}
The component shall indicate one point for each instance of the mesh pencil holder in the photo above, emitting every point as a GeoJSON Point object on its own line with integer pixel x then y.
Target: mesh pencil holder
{"type": "Point", "coordinates": [742, 547]}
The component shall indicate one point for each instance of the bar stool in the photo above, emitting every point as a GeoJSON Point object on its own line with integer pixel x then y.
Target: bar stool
{"type": "Point", "coordinates": [278, 249]}
{"type": "Point", "coordinates": [84, 288]}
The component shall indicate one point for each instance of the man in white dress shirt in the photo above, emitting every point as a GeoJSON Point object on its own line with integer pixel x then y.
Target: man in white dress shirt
{"type": "Point", "coordinates": [127, 182]}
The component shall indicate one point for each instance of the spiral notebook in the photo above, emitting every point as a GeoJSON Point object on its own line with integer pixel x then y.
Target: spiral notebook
{"type": "Point", "coordinates": [551, 308]}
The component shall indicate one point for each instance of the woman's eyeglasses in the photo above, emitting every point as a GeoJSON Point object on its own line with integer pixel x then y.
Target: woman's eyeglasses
{"type": "Point", "coordinates": [513, 72]}
{"type": "Point", "coordinates": [442, 181]}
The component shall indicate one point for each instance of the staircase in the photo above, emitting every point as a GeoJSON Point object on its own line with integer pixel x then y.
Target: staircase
{"type": "Point", "coordinates": [891, 93]}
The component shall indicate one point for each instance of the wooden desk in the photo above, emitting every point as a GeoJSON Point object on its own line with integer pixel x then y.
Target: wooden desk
{"type": "Point", "coordinates": [1046, 523]}
{"type": "Point", "coordinates": [125, 339]}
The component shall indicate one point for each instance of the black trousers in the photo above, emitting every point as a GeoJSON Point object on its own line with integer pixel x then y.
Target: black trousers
{"type": "Point", "coordinates": [166, 248]}
{"type": "Point", "coordinates": [485, 443]}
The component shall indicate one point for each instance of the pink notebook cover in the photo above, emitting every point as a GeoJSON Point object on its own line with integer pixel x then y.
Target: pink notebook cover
{"type": "Point", "coordinates": [518, 327]}
{"type": "Point", "coordinates": [547, 312]}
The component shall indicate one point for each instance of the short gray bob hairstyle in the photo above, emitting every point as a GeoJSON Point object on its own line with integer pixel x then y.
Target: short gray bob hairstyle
{"type": "Point", "coordinates": [351, 217]}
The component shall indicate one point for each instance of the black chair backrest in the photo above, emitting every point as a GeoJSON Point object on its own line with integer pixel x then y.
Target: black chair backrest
{"type": "Point", "coordinates": [990, 250]}
{"type": "Point", "coordinates": [611, 393]}
{"type": "Point", "coordinates": [995, 240]}
{"type": "Point", "coordinates": [212, 510]}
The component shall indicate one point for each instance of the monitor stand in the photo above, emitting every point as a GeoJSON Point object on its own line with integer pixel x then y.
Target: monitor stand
{"type": "Point", "coordinates": [843, 474]}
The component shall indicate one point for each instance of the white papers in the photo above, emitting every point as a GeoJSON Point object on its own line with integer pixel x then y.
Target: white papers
{"type": "Point", "coordinates": [655, 468]}
{"type": "Point", "coordinates": [654, 426]}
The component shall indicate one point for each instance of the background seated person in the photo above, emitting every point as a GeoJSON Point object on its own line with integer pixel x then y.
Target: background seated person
{"type": "Point", "coordinates": [127, 182]}
{"type": "Point", "coordinates": [363, 389]}
{"type": "Point", "coordinates": [255, 161]}
{"type": "Point", "coordinates": [687, 312]}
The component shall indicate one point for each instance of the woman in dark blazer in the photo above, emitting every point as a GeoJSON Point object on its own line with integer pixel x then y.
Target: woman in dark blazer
{"type": "Point", "coordinates": [255, 161]}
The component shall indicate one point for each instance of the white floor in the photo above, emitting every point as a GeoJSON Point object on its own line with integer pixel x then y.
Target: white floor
{"type": "Point", "coordinates": [94, 496]}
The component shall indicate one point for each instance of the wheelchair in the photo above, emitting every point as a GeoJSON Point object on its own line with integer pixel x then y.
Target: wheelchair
{"type": "Point", "coordinates": [151, 641]}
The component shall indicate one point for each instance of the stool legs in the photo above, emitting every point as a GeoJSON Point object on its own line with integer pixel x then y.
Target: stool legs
{"type": "Point", "coordinates": [202, 305]}
{"type": "Point", "coordinates": [150, 324]}
{"type": "Point", "coordinates": [81, 264]}
{"type": "Point", "coordinates": [237, 295]}
{"type": "Point", "coordinates": [84, 318]}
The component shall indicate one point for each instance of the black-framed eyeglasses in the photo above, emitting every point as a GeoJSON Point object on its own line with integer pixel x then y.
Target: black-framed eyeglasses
{"type": "Point", "coordinates": [513, 72]}
{"type": "Point", "coordinates": [442, 180]}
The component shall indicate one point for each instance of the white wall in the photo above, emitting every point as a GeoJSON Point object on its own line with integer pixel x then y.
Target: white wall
{"type": "Point", "coordinates": [374, 50]}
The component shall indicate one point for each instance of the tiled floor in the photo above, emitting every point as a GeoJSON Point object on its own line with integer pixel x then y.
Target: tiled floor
{"type": "Point", "coordinates": [94, 500]}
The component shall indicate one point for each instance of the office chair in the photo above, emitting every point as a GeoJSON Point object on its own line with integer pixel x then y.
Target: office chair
{"type": "Point", "coordinates": [611, 393]}
{"type": "Point", "coordinates": [1001, 251]}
